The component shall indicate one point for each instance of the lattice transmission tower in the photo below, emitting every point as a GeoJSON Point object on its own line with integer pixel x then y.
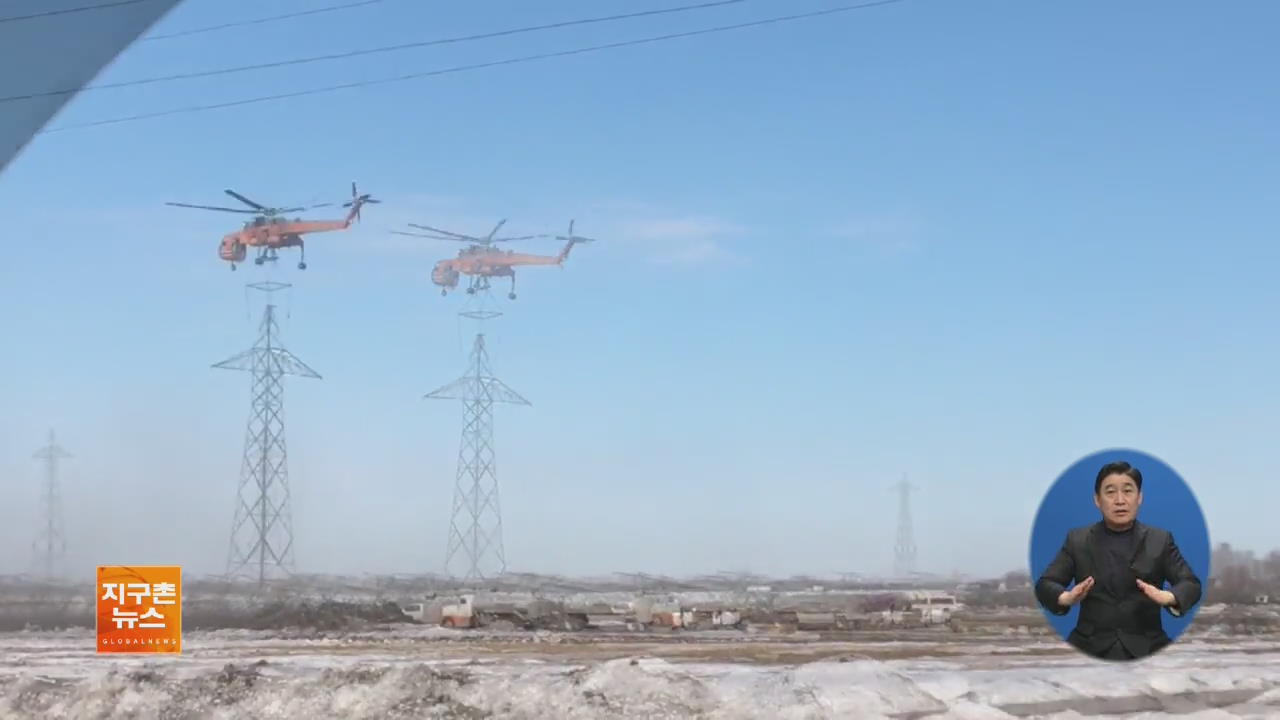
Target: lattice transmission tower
{"type": "Point", "coordinates": [475, 529]}
{"type": "Point", "coordinates": [904, 550]}
{"type": "Point", "coordinates": [262, 529]}
{"type": "Point", "coordinates": [50, 546]}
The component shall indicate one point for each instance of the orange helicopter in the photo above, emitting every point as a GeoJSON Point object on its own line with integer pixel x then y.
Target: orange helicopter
{"type": "Point", "coordinates": [481, 261]}
{"type": "Point", "coordinates": [269, 232]}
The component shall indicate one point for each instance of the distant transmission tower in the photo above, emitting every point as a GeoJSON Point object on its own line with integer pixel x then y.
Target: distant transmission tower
{"type": "Point", "coordinates": [262, 531]}
{"type": "Point", "coordinates": [475, 528]}
{"type": "Point", "coordinates": [50, 545]}
{"type": "Point", "coordinates": [904, 552]}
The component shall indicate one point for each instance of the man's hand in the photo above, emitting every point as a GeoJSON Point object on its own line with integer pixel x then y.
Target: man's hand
{"type": "Point", "coordinates": [1163, 598]}
{"type": "Point", "coordinates": [1077, 593]}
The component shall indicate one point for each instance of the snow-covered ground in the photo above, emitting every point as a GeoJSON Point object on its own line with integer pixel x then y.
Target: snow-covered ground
{"type": "Point", "coordinates": [434, 673]}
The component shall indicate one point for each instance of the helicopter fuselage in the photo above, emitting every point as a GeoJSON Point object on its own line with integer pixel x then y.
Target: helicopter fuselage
{"type": "Point", "coordinates": [480, 261]}
{"type": "Point", "coordinates": [273, 234]}
{"type": "Point", "coordinates": [477, 261]}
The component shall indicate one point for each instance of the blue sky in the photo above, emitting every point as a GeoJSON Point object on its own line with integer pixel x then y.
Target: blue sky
{"type": "Point", "coordinates": [968, 242]}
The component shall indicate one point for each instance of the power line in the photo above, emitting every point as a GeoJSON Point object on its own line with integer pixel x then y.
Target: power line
{"type": "Point", "coordinates": [371, 51]}
{"type": "Point", "coordinates": [68, 11]}
{"type": "Point", "coordinates": [259, 21]}
{"type": "Point", "coordinates": [476, 66]}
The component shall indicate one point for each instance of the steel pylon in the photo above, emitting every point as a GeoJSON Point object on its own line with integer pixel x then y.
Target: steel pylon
{"type": "Point", "coordinates": [50, 546]}
{"type": "Point", "coordinates": [262, 530]}
{"type": "Point", "coordinates": [904, 551]}
{"type": "Point", "coordinates": [475, 528]}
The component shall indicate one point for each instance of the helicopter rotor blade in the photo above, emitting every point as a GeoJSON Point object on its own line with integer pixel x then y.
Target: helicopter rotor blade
{"type": "Point", "coordinates": [421, 235]}
{"type": "Point", "coordinates": [573, 237]}
{"type": "Point", "coordinates": [211, 207]}
{"type": "Point", "coordinates": [366, 198]}
{"type": "Point", "coordinates": [495, 229]}
{"type": "Point", "coordinates": [246, 200]}
{"type": "Point", "coordinates": [453, 235]}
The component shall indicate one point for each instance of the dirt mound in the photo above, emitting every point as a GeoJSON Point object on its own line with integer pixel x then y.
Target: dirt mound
{"type": "Point", "coordinates": [322, 615]}
{"type": "Point", "coordinates": [325, 615]}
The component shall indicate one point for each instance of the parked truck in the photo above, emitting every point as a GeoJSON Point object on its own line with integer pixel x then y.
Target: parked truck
{"type": "Point", "coordinates": [460, 614]}
{"type": "Point", "coordinates": [468, 611]}
{"type": "Point", "coordinates": [416, 611]}
{"type": "Point", "coordinates": [937, 609]}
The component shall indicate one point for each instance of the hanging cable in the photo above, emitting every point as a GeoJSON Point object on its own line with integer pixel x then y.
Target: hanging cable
{"type": "Point", "coordinates": [466, 68]}
{"type": "Point", "coordinates": [260, 21]}
{"type": "Point", "coordinates": [360, 53]}
{"type": "Point", "coordinates": [68, 11]}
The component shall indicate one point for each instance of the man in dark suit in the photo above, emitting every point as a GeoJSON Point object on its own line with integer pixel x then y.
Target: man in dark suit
{"type": "Point", "coordinates": [1119, 566]}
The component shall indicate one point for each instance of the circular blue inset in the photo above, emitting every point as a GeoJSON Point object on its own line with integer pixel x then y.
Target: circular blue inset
{"type": "Point", "coordinates": [1167, 503]}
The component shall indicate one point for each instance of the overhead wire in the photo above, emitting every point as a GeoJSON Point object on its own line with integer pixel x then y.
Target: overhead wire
{"type": "Point", "coordinates": [373, 51]}
{"type": "Point", "coordinates": [68, 11]}
{"type": "Point", "coordinates": [475, 66]}
{"type": "Point", "coordinates": [260, 21]}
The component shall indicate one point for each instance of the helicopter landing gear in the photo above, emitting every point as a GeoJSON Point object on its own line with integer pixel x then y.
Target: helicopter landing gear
{"type": "Point", "coordinates": [511, 296]}
{"type": "Point", "coordinates": [444, 292]}
{"type": "Point", "coordinates": [302, 265]}
{"type": "Point", "coordinates": [302, 259]}
{"type": "Point", "coordinates": [233, 267]}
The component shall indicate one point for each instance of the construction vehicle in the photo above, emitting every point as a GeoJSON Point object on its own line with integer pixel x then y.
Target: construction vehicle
{"type": "Point", "coordinates": [467, 613]}
{"type": "Point", "coordinates": [461, 614]}
{"type": "Point", "coordinates": [416, 611]}
{"type": "Point", "coordinates": [937, 609]}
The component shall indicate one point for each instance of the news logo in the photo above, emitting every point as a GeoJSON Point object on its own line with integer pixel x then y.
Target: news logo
{"type": "Point", "coordinates": [139, 609]}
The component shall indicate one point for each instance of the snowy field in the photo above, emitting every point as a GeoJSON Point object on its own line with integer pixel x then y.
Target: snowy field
{"type": "Point", "coordinates": [422, 672]}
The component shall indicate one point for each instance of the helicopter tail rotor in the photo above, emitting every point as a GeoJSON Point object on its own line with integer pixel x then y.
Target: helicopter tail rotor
{"type": "Point", "coordinates": [569, 241]}
{"type": "Point", "coordinates": [571, 238]}
{"type": "Point", "coordinates": [358, 200]}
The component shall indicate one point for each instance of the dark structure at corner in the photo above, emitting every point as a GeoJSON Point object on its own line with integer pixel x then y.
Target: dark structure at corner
{"type": "Point", "coordinates": [56, 45]}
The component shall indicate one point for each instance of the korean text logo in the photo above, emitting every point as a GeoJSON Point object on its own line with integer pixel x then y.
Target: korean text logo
{"type": "Point", "coordinates": [139, 609]}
